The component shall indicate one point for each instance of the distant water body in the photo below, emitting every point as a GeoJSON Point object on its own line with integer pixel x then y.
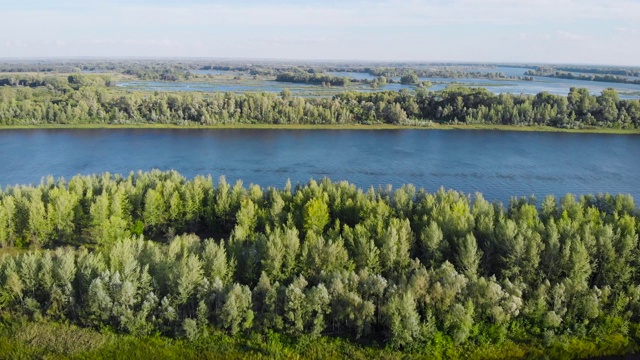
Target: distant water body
{"type": "Point", "coordinates": [540, 84]}
{"type": "Point", "coordinates": [498, 164]}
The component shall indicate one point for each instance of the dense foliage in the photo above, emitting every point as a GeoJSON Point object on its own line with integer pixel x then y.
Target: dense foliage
{"type": "Point", "coordinates": [24, 339]}
{"type": "Point", "coordinates": [602, 70]}
{"type": "Point", "coordinates": [587, 77]}
{"type": "Point", "coordinates": [176, 70]}
{"type": "Point", "coordinates": [79, 99]}
{"type": "Point", "coordinates": [309, 78]}
{"type": "Point", "coordinates": [435, 72]}
{"type": "Point", "coordinates": [410, 78]}
{"type": "Point", "coordinates": [404, 267]}
{"type": "Point", "coordinates": [185, 69]}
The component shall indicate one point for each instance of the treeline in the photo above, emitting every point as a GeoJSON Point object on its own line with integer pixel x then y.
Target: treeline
{"type": "Point", "coordinates": [145, 70]}
{"type": "Point", "coordinates": [410, 78]}
{"type": "Point", "coordinates": [264, 69]}
{"type": "Point", "coordinates": [181, 69]}
{"type": "Point", "coordinates": [633, 72]}
{"type": "Point", "coordinates": [312, 78]}
{"type": "Point", "coordinates": [159, 74]}
{"type": "Point", "coordinates": [302, 73]}
{"type": "Point", "coordinates": [586, 77]}
{"type": "Point", "coordinates": [405, 267]}
{"type": "Point", "coordinates": [456, 73]}
{"type": "Point", "coordinates": [59, 83]}
{"type": "Point", "coordinates": [42, 67]}
{"type": "Point", "coordinates": [112, 66]}
{"type": "Point", "coordinates": [67, 101]}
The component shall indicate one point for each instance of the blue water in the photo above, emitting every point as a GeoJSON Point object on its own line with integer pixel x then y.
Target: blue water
{"type": "Point", "coordinates": [243, 86]}
{"type": "Point", "coordinates": [550, 85]}
{"type": "Point", "coordinates": [212, 72]}
{"type": "Point", "coordinates": [498, 164]}
{"type": "Point", "coordinates": [507, 70]}
{"type": "Point", "coordinates": [540, 84]}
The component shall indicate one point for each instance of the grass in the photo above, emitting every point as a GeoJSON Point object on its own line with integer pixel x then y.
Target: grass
{"type": "Point", "coordinates": [330, 127]}
{"type": "Point", "coordinates": [535, 128]}
{"type": "Point", "coordinates": [23, 339]}
{"type": "Point", "coordinates": [12, 251]}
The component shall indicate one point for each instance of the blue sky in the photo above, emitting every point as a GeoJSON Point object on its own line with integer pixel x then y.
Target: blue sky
{"type": "Point", "coordinates": [557, 31]}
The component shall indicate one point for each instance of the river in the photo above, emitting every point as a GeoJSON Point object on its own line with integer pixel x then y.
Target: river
{"type": "Point", "coordinates": [499, 164]}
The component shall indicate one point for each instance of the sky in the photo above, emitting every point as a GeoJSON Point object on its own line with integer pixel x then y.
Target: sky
{"type": "Point", "coordinates": [531, 31]}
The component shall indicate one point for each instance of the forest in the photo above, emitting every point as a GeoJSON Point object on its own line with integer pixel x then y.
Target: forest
{"type": "Point", "coordinates": [92, 99]}
{"type": "Point", "coordinates": [633, 72]}
{"type": "Point", "coordinates": [177, 70]}
{"type": "Point", "coordinates": [435, 274]}
{"type": "Point", "coordinates": [187, 69]}
{"type": "Point", "coordinates": [307, 78]}
{"type": "Point", "coordinates": [587, 77]}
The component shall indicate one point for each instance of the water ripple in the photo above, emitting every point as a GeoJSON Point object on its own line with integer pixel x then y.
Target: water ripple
{"type": "Point", "coordinates": [498, 164]}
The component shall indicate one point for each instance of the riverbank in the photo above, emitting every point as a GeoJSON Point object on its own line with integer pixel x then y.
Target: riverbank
{"type": "Point", "coordinates": [331, 127]}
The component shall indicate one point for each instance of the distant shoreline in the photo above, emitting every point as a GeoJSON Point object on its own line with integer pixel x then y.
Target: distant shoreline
{"type": "Point", "coordinates": [329, 127]}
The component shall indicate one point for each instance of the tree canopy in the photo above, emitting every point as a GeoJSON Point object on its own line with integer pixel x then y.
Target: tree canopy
{"type": "Point", "coordinates": [158, 253]}
{"type": "Point", "coordinates": [84, 99]}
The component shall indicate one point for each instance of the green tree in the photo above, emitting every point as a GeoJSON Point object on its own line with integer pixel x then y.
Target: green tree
{"type": "Point", "coordinates": [316, 215]}
{"type": "Point", "coordinates": [409, 79]}
{"type": "Point", "coordinates": [236, 313]}
{"type": "Point", "coordinates": [402, 321]}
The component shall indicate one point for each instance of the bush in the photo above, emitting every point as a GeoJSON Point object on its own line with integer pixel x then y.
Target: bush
{"type": "Point", "coordinates": [61, 339]}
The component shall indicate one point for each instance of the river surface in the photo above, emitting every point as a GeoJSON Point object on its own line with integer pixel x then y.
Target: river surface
{"type": "Point", "coordinates": [511, 86]}
{"type": "Point", "coordinates": [247, 85]}
{"type": "Point", "coordinates": [555, 86]}
{"type": "Point", "coordinates": [498, 164]}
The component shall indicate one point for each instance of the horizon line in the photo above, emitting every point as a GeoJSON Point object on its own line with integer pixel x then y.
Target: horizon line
{"type": "Point", "coordinates": [301, 60]}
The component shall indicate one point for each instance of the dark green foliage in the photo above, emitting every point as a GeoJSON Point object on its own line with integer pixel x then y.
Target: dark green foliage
{"type": "Point", "coordinates": [305, 77]}
{"type": "Point", "coordinates": [410, 78]}
{"type": "Point", "coordinates": [85, 99]}
{"type": "Point", "coordinates": [404, 268]}
{"type": "Point", "coordinates": [550, 72]}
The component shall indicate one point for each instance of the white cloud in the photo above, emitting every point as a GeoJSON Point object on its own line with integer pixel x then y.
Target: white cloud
{"type": "Point", "coordinates": [626, 30]}
{"type": "Point", "coordinates": [348, 13]}
{"type": "Point", "coordinates": [16, 44]}
{"type": "Point", "coordinates": [56, 42]}
{"type": "Point", "coordinates": [165, 42]}
{"type": "Point", "coordinates": [102, 41]}
{"type": "Point", "coordinates": [396, 13]}
{"type": "Point", "coordinates": [568, 36]}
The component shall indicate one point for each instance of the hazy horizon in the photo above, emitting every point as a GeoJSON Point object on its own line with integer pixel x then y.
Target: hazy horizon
{"type": "Point", "coordinates": [21, 59]}
{"type": "Point", "coordinates": [594, 32]}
